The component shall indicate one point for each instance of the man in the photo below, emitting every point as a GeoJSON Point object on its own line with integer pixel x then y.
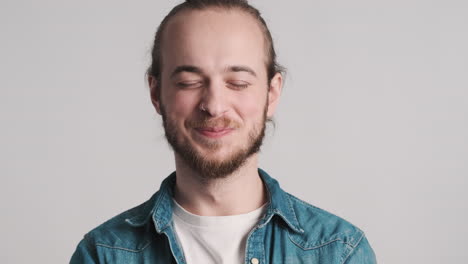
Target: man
{"type": "Point", "coordinates": [215, 81]}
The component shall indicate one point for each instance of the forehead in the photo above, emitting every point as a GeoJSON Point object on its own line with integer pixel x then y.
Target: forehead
{"type": "Point", "coordinates": [213, 38]}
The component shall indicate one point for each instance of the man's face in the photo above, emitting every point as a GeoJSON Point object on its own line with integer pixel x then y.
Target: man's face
{"type": "Point", "coordinates": [214, 92]}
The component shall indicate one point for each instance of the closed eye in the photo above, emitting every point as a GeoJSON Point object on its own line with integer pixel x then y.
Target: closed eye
{"type": "Point", "coordinates": [238, 85]}
{"type": "Point", "coordinates": [189, 84]}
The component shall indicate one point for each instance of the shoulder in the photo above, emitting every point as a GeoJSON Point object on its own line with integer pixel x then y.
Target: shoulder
{"type": "Point", "coordinates": [322, 228]}
{"type": "Point", "coordinates": [127, 231]}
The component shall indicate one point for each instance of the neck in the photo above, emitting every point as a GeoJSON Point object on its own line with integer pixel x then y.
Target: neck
{"type": "Point", "coordinates": [238, 193]}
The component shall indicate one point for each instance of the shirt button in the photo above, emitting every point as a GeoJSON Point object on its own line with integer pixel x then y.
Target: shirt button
{"type": "Point", "coordinates": [254, 261]}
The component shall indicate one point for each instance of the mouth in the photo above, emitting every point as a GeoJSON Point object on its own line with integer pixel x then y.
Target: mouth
{"type": "Point", "coordinates": [214, 132]}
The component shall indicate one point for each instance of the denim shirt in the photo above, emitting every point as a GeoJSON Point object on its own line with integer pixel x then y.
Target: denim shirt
{"type": "Point", "coordinates": [291, 231]}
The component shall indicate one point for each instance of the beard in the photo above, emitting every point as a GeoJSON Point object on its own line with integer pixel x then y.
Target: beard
{"type": "Point", "coordinates": [211, 168]}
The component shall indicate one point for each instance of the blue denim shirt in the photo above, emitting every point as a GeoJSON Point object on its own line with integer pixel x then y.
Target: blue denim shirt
{"type": "Point", "coordinates": [291, 231]}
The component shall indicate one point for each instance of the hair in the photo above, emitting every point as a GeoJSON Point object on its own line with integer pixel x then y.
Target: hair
{"type": "Point", "coordinates": [272, 65]}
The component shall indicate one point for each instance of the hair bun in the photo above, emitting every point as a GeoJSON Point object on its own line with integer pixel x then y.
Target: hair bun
{"type": "Point", "coordinates": [215, 1]}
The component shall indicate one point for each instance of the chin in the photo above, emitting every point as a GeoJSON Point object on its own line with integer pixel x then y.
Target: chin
{"type": "Point", "coordinates": [218, 155]}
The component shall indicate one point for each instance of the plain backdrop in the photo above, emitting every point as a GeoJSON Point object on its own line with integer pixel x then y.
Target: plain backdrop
{"type": "Point", "coordinates": [372, 124]}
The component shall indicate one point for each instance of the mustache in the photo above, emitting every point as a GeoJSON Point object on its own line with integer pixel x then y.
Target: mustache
{"type": "Point", "coordinates": [223, 122]}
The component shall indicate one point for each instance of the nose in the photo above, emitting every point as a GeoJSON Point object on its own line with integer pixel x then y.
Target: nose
{"type": "Point", "coordinates": [213, 101]}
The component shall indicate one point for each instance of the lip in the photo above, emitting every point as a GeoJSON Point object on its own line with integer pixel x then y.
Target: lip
{"type": "Point", "coordinates": [212, 132]}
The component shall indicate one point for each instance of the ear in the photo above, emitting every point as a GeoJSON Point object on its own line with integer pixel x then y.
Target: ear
{"type": "Point", "coordinates": [155, 93]}
{"type": "Point", "coordinates": [276, 85]}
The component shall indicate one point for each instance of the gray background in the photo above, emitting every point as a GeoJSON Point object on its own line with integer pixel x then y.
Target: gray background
{"type": "Point", "coordinates": [372, 125]}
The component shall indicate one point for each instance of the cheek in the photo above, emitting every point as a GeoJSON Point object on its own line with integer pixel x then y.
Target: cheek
{"type": "Point", "coordinates": [252, 106]}
{"type": "Point", "coordinates": [180, 104]}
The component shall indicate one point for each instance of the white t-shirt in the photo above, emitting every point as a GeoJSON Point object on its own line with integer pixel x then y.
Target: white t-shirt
{"type": "Point", "coordinates": [214, 239]}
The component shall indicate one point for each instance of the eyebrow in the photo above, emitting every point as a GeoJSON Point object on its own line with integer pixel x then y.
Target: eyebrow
{"type": "Point", "coordinates": [241, 68]}
{"type": "Point", "coordinates": [197, 70]}
{"type": "Point", "coordinates": [186, 68]}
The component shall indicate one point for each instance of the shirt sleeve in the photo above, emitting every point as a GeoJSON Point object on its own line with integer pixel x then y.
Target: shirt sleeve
{"type": "Point", "coordinates": [84, 253]}
{"type": "Point", "coordinates": [362, 254]}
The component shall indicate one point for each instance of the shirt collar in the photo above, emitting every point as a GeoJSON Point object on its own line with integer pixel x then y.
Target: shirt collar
{"type": "Point", "coordinates": [159, 207]}
{"type": "Point", "coordinates": [279, 203]}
